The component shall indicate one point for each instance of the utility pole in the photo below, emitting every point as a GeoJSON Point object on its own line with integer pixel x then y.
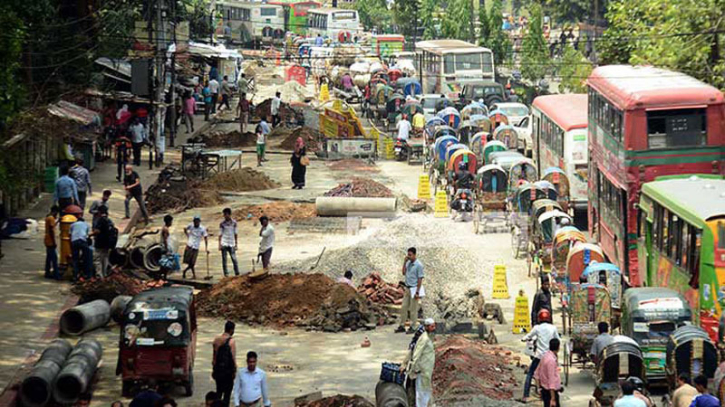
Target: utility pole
{"type": "Point", "coordinates": [158, 96]}
{"type": "Point", "coordinates": [152, 80]}
{"type": "Point", "coordinates": [172, 92]}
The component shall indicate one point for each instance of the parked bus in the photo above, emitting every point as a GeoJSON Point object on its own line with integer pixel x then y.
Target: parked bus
{"type": "Point", "coordinates": [645, 122]}
{"type": "Point", "coordinates": [681, 241]}
{"type": "Point", "coordinates": [444, 66]}
{"type": "Point", "coordinates": [295, 14]}
{"type": "Point", "coordinates": [334, 23]}
{"type": "Point", "coordinates": [386, 45]}
{"type": "Point", "coordinates": [559, 135]}
{"type": "Point", "coordinates": [245, 22]}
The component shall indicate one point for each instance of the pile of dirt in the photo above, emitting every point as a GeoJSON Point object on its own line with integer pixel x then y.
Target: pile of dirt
{"type": "Point", "coordinates": [108, 288]}
{"type": "Point", "coordinates": [467, 368]}
{"type": "Point", "coordinates": [276, 211]}
{"type": "Point", "coordinates": [375, 289]}
{"type": "Point", "coordinates": [228, 139]}
{"type": "Point", "coordinates": [361, 188]}
{"type": "Point", "coordinates": [287, 114]}
{"type": "Point", "coordinates": [309, 136]}
{"type": "Point", "coordinates": [173, 192]}
{"type": "Point", "coordinates": [339, 400]}
{"type": "Point", "coordinates": [314, 301]}
{"type": "Point", "coordinates": [241, 180]}
{"type": "Point", "coordinates": [352, 164]}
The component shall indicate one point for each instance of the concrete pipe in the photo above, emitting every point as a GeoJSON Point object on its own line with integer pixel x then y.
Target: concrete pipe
{"type": "Point", "coordinates": [152, 256]}
{"type": "Point", "coordinates": [119, 257]}
{"type": "Point", "coordinates": [137, 252]}
{"type": "Point", "coordinates": [390, 395]}
{"type": "Point", "coordinates": [83, 318]}
{"type": "Point", "coordinates": [37, 388]}
{"type": "Point", "coordinates": [118, 305]}
{"type": "Point", "coordinates": [77, 373]}
{"type": "Point", "coordinates": [364, 207]}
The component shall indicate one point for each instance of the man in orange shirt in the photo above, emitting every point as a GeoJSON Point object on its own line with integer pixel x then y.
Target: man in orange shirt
{"type": "Point", "coordinates": [51, 256]}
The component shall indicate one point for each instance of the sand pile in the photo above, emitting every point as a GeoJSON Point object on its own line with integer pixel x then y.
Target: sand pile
{"type": "Point", "coordinates": [241, 180]}
{"type": "Point", "coordinates": [108, 288]}
{"type": "Point", "coordinates": [276, 211]}
{"type": "Point", "coordinates": [467, 368]}
{"type": "Point", "coordinates": [173, 192]}
{"type": "Point", "coordinates": [361, 188]}
{"type": "Point", "coordinates": [229, 139]}
{"type": "Point", "coordinates": [352, 164]}
{"type": "Point", "coordinates": [305, 300]}
{"type": "Point", "coordinates": [339, 400]}
{"type": "Point", "coordinates": [309, 136]}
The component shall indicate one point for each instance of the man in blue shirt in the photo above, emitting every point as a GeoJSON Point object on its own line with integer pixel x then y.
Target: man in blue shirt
{"type": "Point", "coordinates": [413, 272]}
{"type": "Point", "coordinates": [704, 399]}
{"type": "Point", "coordinates": [264, 127]}
{"type": "Point", "coordinates": [81, 250]}
{"type": "Point", "coordinates": [318, 41]}
{"type": "Point", "coordinates": [66, 192]}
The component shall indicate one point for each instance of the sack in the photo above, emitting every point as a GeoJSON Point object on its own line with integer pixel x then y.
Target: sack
{"type": "Point", "coordinates": [224, 366]}
{"type": "Point", "coordinates": [170, 261]}
{"type": "Point", "coordinates": [391, 373]}
{"type": "Point", "coordinates": [305, 161]}
{"type": "Point", "coordinates": [112, 236]}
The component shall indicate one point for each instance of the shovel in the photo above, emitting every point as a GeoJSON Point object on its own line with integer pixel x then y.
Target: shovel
{"type": "Point", "coordinates": [318, 259]}
{"type": "Point", "coordinates": [208, 275]}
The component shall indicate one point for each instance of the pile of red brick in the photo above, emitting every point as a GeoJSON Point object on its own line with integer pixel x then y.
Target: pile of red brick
{"type": "Point", "coordinates": [375, 289]}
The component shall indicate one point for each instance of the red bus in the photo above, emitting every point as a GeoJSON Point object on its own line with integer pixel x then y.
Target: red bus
{"type": "Point", "coordinates": [645, 122]}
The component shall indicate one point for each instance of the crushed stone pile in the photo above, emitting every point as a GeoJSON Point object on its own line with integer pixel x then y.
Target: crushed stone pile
{"type": "Point", "coordinates": [455, 310]}
{"type": "Point", "coordinates": [228, 139]}
{"type": "Point", "coordinates": [313, 301]}
{"type": "Point", "coordinates": [339, 400]}
{"type": "Point", "coordinates": [309, 136]}
{"type": "Point", "coordinates": [352, 164]}
{"type": "Point", "coordinates": [241, 180]}
{"type": "Point", "coordinates": [281, 211]}
{"type": "Point", "coordinates": [108, 288]}
{"type": "Point", "coordinates": [361, 188]}
{"type": "Point", "coordinates": [375, 289]}
{"type": "Point", "coordinates": [467, 368]}
{"type": "Point", "coordinates": [173, 192]}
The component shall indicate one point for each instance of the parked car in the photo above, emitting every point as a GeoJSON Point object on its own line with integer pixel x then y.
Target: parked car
{"type": "Point", "coordinates": [489, 91]}
{"type": "Point", "coordinates": [523, 129]}
{"type": "Point", "coordinates": [516, 112]}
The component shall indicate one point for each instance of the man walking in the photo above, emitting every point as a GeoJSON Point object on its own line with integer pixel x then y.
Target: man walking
{"type": "Point", "coordinates": [542, 300]}
{"type": "Point", "coordinates": [138, 138]}
{"type": "Point", "coordinates": [243, 84]}
{"type": "Point", "coordinates": [51, 255]}
{"type": "Point", "coordinates": [226, 92]}
{"type": "Point", "coordinates": [683, 395]}
{"type": "Point", "coordinates": [274, 108]}
{"type": "Point", "coordinates": [83, 182]}
{"type": "Point", "coordinates": [105, 238]}
{"type": "Point", "coordinates": [214, 87]}
{"type": "Point", "coordinates": [66, 191]}
{"type": "Point", "coordinates": [123, 148]}
{"type": "Point", "coordinates": [250, 385]}
{"type": "Point", "coordinates": [243, 110]}
{"type": "Point", "coordinates": [544, 332]}
{"type": "Point", "coordinates": [228, 241]}
{"type": "Point", "coordinates": [413, 272]}
{"type": "Point", "coordinates": [704, 399]}
{"type": "Point", "coordinates": [420, 361]}
{"type": "Point", "coordinates": [267, 243]}
{"type": "Point", "coordinates": [97, 204]}
{"type": "Point", "coordinates": [132, 185]}
{"type": "Point", "coordinates": [224, 365]}
{"type": "Point", "coordinates": [194, 233]}
{"type": "Point", "coordinates": [189, 111]}
{"type": "Point", "coordinates": [547, 375]}
{"type": "Point", "coordinates": [206, 93]}
{"type": "Point", "coordinates": [80, 249]}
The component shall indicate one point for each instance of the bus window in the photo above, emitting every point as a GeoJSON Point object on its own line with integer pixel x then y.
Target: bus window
{"type": "Point", "coordinates": [685, 238]}
{"type": "Point", "coordinates": [268, 11]}
{"type": "Point", "coordinates": [665, 231]}
{"type": "Point", "coordinates": [676, 249]}
{"type": "Point", "coordinates": [448, 64]}
{"type": "Point", "coordinates": [676, 128]}
{"type": "Point", "coordinates": [696, 241]}
{"type": "Point", "coordinates": [468, 62]}
{"type": "Point", "coordinates": [487, 62]}
{"type": "Point", "coordinates": [656, 232]}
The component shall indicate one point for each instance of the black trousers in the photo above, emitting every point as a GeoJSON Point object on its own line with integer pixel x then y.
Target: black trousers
{"type": "Point", "coordinates": [224, 389]}
{"type": "Point", "coordinates": [137, 153]}
{"type": "Point", "coordinates": [546, 397]}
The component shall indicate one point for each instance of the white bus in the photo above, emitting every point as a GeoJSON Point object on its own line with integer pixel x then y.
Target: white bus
{"type": "Point", "coordinates": [444, 66]}
{"type": "Point", "coordinates": [245, 22]}
{"type": "Point", "coordinates": [559, 134]}
{"type": "Point", "coordinates": [330, 22]}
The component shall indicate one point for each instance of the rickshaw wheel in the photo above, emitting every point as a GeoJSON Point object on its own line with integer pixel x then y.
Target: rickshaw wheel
{"type": "Point", "coordinates": [189, 386]}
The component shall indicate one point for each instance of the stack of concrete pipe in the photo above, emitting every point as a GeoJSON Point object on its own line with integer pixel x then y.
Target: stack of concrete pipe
{"type": "Point", "coordinates": [363, 207]}
{"type": "Point", "coordinates": [37, 389]}
{"type": "Point", "coordinates": [142, 253]}
{"type": "Point", "coordinates": [85, 317]}
{"type": "Point", "coordinates": [78, 371]}
{"type": "Point", "coordinates": [390, 395]}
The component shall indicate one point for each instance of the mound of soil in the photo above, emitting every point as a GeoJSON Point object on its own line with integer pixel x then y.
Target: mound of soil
{"type": "Point", "coordinates": [309, 136]}
{"type": "Point", "coordinates": [175, 193]}
{"type": "Point", "coordinates": [108, 288]}
{"type": "Point", "coordinates": [305, 300]}
{"type": "Point", "coordinates": [230, 139]}
{"type": "Point", "coordinates": [276, 211]}
{"type": "Point", "coordinates": [286, 112]}
{"type": "Point", "coordinates": [240, 180]}
{"type": "Point", "coordinates": [361, 188]}
{"type": "Point", "coordinates": [351, 164]}
{"type": "Point", "coordinates": [339, 400]}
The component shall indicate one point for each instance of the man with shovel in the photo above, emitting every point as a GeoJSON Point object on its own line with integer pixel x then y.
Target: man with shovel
{"type": "Point", "coordinates": [265, 246]}
{"type": "Point", "coordinates": [194, 233]}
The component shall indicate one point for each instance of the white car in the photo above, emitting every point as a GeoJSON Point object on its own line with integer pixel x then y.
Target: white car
{"type": "Point", "coordinates": [523, 130]}
{"type": "Point", "coordinates": [514, 111]}
{"type": "Point", "coordinates": [429, 103]}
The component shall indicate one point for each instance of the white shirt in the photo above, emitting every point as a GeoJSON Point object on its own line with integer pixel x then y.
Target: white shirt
{"type": "Point", "coordinates": [195, 235]}
{"type": "Point", "coordinates": [250, 387]}
{"type": "Point", "coordinates": [544, 333]}
{"type": "Point", "coordinates": [403, 129]}
{"type": "Point", "coordinates": [267, 239]}
{"type": "Point", "coordinates": [227, 231]}
{"type": "Point", "coordinates": [275, 105]}
{"type": "Point", "coordinates": [138, 133]}
{"type": "Point", "coordinates": [214, 86]}
{"type": "Point", "coordinates": [261, 138]}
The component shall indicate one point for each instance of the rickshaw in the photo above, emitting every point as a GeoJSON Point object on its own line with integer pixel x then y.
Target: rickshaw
{"type": "Point", "coordinates": [520, 208]}
{"type": "Point", "coordinates": [454, 161]}
{"type": "Point", "coordinates": [483, 122]}
{"type": "Point", "coordinates": [158, 339]}
{"type": "Point", "coordinates": [590, 304]}
{"type": "Point", "coordinates": [522, 170]}
{"type": "Point", "coordinates": [478, 141]}
{"type": "Point", "coordinates": [580, 256]}
{"type": "Point", "coordinates": [497, 118]}
{"type": "Point", "coordinates": [690, 350]}
{"type": "Point", "coordinates": [549, 189]}
{"type": "Point", "coordinates": [522, 198]}
{"type": "Point", "coordinates": [431, 125]}
{"type": "Point", "coordinates": [409, 86]}
{"type": "Point", "coordinates": [393, 108]}
{"type": "Point", "coordinates": [411, 107]}
{"type": "Point", "coordinates": [490, 205]}
{"type": "Point", "coordinates": [379, 101]}
{"type": "Point", "coordinates": [395, 74]}
{"type": "Point", "coordinates": [649, 316]}
{"type": "Point", "coordinates": [609, 275]}
{"type": "Point", "coordinates": [507, 135]}
{"type": "Point", "coordinates": [618, 361]}
{"type": "Point", "coordinates": [564, 239]}
{"type": "Point", "coordinates": [506, 159]}
{"type": "Point", "coordinates": [543, 228]}
{"type": "Point", "coordinates": [466, 132]}
{"type": "Point", "coordinates": [473, 108]}
{"type": "Point", "coordinates": [492, 147]}
{"type": "Point", "coordinates": [451, 116]}
{"type": "Point", "coordinates": [558, 178]}
{"type": "Point", "coordinates": [438, 159]}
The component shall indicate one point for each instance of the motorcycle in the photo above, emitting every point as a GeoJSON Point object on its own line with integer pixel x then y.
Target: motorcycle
{"type": "Point", "coordinates": [402, 150]}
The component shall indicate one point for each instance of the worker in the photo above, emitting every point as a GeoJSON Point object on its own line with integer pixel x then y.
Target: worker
{"type": "Point", "coordinates": [274, 109]}
{"type": "Point", "coordinates": [413, 273]}
{"type": "Point", "coordinates": [542, 300]}
{"type": "Point", "coordinates": [420, 361]}
{"type": "Point", "coordinates": [82, 178]}
{"type": "Point", "coordinates": [105, 238]}
{"type": "Point", "coordinates": [224, 365]}
{"type": "Point", "coordinates": [97, 204]}
{"type": "Point", "coordinates": [266, 244]}
{"type": "Point", "coordinates": [228, 241]}
{"type": "Point", "coordinates": [194, 233]}
{"type": "Point", "coordinates": [543, 333]}
{"type": "Point", "coordinates": [601, 341]}
{"type": "Point", "coordinates": [403, 127]}
{"type": "Point", "coordinates": [134, 190]}
{"type": "Point", "coordinates": [418, 123]}
{"type": "Point", "coordinates": [346, 279]}
{"type": "Point", "coordinates": [66, 191]}
{"type": "Point", "coordinates": [250, 385]}
{"type": "Point", "coordinates": [82, 256]}
{"type": "Point", "coordinates": [547, 375]}
{"type": "Point", "coordinates": [51, 255]}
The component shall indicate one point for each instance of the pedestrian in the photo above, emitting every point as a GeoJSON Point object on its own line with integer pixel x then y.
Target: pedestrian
{"type": "Point", "coordinates": [138, 138]}
{"type": "Point", "coordinates": [194, 233]}
{"type": "Point", "coordinates": [601, 341]}
{"type": "Point", "coordinates": [413, 273]}
{"type": "Point", "coordinates": [346, 279]}
{"type": "Point", "coordinates": [547, 375]}
{"type": "Point", "coordinates": [243, 110]}
{"type": "Point", "coordinates": [704, 399]}
{"type": "Point", "coordinates": [403, 127]}
{"type": "Point", "coordinates": [123, 149]}
{"type": "Point", "coordinates": [250, 385]}
{"type": "Point", "coordinates": [169, 261]}
{"type": "Point", "coordinates": [542, 299]}
{"type": "Point", "coordinates": [132, 185]}
{"type": "Point", "coordinates": [81, 250]}
{"type": "Point", "coordinates": [299, 161]}
{"type": "Point", "coordinates": [210, 398]}
{"type": "Point", "coordinates": [148, 397]}
{"type": "Point", "coordinates": [628, 399]}
{"type": "Point", "coordinates": [214, 87]}
{"type": "Point", "coordinates": [206, 92]}
{"type": "Point", "coordinates": [83, 181]}
{"type": "Point", "coordinates": [420, 361]}
{"type": "Point", "coordinates": [226, 92]}
{"type": "Point", "coordinates": [189, 110]}
{"type": "Point", "coordinates": [224, 365]}
{"type": "Point", "coordinates": [274, 109]}
{"type": "Point", "coordinates": [683, 395]}
{"type": "Point", "coordinates": [261, 145]}
{"type": "Point", "coordinates": [267, 243]}
{"type": "Point", "coordinates": [97, 204]}
{"type": "Point", "coordinates": [318, 41]}
{"type": "Point", "coordinates": [243, 84]}
{"type": "Point", "coordinates": [544, 332]}
{"type": "Point", "coordinates": [228, 241]}
{"type": "Point", "coordinates": [105, 238]}
{"type": "Point", "coordinates": [51, 255]}
{"type": "Point", "coordinates": [66, 190]}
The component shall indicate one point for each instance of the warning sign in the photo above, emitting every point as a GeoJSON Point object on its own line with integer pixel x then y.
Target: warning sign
{"type": "Point", "coordinates": [522, 321]}
{"type": "Point", "coordinates": [500, 285]}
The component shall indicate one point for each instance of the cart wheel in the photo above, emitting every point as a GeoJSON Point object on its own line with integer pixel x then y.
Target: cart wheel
{"type": "Point", "coordinates": [189, 386]}
{"type": "Point", "coordinates": [567, 364]}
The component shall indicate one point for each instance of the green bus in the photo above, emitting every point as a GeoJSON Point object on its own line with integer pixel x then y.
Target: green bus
{"type": "Point", "coordinates": [681, 241]}
{"type": "Point", "coordinates": [295, 14]}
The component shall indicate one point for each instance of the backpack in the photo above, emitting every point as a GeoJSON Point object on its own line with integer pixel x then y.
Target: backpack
{"type": "Point", "coordinates": [110, 237]}
{"type": "Point", "coordinates": [224, 366]}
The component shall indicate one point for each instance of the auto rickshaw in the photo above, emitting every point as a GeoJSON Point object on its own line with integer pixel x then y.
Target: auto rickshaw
{"type": "Point", "coordinates": [618, 361]}
{"type": "Point", "coordinates": [498, 118]}
{"type": "Point", "coordinates": [507, 135]}
{"type": "Point", "coordinates": [558, 178]}
{"type": "Point", "coordinates": [690, 350]}
{"type": "Point", "coordinates": [409, 86]}
{"type": "Point", "coordinates": [451, 116]}
{"type": "Point", "coordinates": [473, 108]}
{"type": "Point", "coordinates": [158, 339]}
{"type": "Point", "coordinates": [589, 305]}
{"type": "Point", "coordinates": [492, 147]}
{"type": "Point", "coordinates": [649, 316]}
{"type": "Point", "coordinates": [466, 132]}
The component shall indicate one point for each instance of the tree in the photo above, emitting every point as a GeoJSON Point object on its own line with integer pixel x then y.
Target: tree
{"type": "Point", "coordinates": [373, 13]}
{"type": "Point", "coordinates": [569, 10]}
{"type": "Point", "coordinates": [406, 14]}
{"type": "Point", "coordinates": [535, 60]}
{"type": "Point", "coordinates": [492, 34]}
{"type": "Point", "coordinates": [197, 13]}
{"type": "Point", "coordinates": [428, 10]}
{"type": "Point", "coordinates": [457, 22]}
{"type": "Point", "coordinates": [12, 92]}
{"type": "Point", "coordinates": [573, 69]}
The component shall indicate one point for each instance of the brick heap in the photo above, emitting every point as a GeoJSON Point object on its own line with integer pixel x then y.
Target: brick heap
{"type": "Point", "coordinates": [375, 289]}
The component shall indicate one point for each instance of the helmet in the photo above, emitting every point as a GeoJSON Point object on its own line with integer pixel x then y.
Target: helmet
{"type": "Point", "coordinates": [544, 315]}
{"type": "Point", "coordinates": [637, 382]}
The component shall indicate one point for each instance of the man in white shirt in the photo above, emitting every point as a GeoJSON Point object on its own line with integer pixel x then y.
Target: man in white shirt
{"type": "Point", "coordinates": [404, 128]}
{"type": "Point", "coordinates": [274, 109]}
{"type": "Point", "coordinates": [250, 385]}
{"type": "Point", "coordinates": [214, 88]}
{"type": "Point", "coordinates": [138, 137]}
{"type": "Point", "coordinates": [267, 242]}
{"type": "Point", "coordinates": [261, 145]}
{"type": "Point", "coordinates": [228, 241]}
{"type": "Point", "coordinates": [544, 332]}
{"type": "Point", "coordinates": [194, 233]}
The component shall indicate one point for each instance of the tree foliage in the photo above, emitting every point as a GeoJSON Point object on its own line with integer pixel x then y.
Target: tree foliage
{"type": "Point", "coordinates": [374, 14]}
{"type": "Point", "coordinates": [12, 93]}
{"type": "Point", "coordinates": [458, 20]}
{"type": "Point", "coordinates": [492, 34]}
{"type": "Point", "coordinates": [573, 69]}
{"type": "Point", "coordinates": [196, 12]}
{"type": "Point", "coordinates": [535, 60]}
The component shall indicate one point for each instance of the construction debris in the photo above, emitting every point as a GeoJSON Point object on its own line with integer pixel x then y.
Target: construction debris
{"type": "Point", "coordinates": [314, 301]}
{"type": "Point", "coordinates": [351, 164]}
{"type": "Point", "coordinates": [361, 188]}
{"type": "Point", "coordinates": [108, 288]}
{"type": "Point", "coordinates": [240, 180]}
{"type": "Point", "coordinates": [309, 136]}
{"type": "Point", "coordinates": [467, 368]}
{"type": "Point", "coordinates": [280, 211]}
{"type": "Point", "coordinates": [338, 400]}
{"type": "Point", "coordinates": [287, 114]}
{"type": "Point", "coordinates": [375, 289]}
{"type": "Point", "coordinates": [174, 192]}
{"type": "Point", "coordinates": [235, 138]}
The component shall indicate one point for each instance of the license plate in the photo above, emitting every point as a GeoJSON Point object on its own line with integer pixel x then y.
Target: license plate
{"type": "Point", "coordinates": [463, 201]}
{"type": "Point", "coordinates": [397, 149]}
